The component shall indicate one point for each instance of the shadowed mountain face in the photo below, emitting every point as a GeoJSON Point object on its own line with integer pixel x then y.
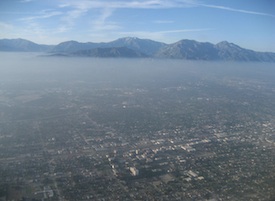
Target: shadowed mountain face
{"type": "Point", "coordinates": [110, 52]}
{"type": "Point", "coordinates": [135, 47]}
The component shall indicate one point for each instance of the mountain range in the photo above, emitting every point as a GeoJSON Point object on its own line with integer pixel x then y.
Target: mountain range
{"type": "Point", "coordinates": [131, 47]}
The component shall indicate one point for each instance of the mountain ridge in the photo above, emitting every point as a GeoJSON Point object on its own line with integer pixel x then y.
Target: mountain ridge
{"type": "Point", "coordinates": [131, 47]}
{"type": "Point", "coordinates": [22, 45]}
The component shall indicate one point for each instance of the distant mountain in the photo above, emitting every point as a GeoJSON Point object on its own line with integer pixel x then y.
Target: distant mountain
{"type": "Point", "coordinates": [110, 52]}
{"type": "Point", "coordinates": [136, 47]}
{"type": "Point", "coordinates": [189, 49]}
{"type": "Point", "coordinates": [230, 51]}
{"type": "Point", "coordinates": [193, 50]}
{"type": "Point", "coordinates": [22, 45]}
{"type": "Point", "coordinates": [146, 46]}
{"type": "Point", "coordinates": [73, 46]}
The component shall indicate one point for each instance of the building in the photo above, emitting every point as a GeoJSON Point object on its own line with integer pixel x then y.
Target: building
{"type": "Point", "coordinates": [134, 171]}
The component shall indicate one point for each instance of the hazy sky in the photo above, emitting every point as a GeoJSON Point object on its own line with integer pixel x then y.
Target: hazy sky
{"type": "Point", "coordinates": [248, 23]}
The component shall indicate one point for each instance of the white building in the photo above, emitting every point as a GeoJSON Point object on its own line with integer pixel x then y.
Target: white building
{"type": "Point", "coordinates": [134, 171]}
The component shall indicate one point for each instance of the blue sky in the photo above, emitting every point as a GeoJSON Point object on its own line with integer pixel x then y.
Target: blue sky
{"type": "Point", "coordinates": [248, 23]}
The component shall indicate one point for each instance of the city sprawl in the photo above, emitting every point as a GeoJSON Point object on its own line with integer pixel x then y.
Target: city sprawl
{"type": "Point", "coordinates": [165, 131]}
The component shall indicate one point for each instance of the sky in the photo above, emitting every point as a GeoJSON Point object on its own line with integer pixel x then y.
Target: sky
{"type": "Point", "coordinates": [247, 23]}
